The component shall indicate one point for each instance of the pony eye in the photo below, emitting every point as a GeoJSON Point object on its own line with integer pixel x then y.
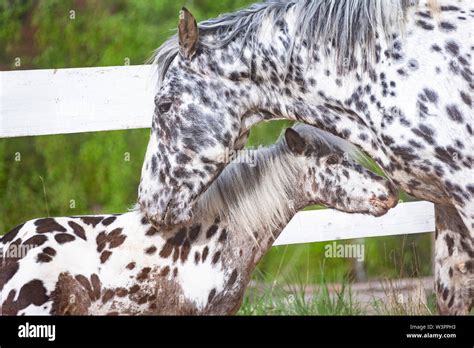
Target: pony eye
{"type": "Point", "coordinates": [164, 107]}
{"type": "Point", "coordinates": [332, 159]}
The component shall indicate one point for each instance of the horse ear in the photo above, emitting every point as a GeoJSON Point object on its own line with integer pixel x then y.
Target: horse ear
{"type": "Point", "coordinates": [295, 141]}
{"type": "Point", "coordinates": [188, 34]}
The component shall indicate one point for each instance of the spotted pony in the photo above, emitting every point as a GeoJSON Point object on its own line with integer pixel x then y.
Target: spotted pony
{"type": "Point", "coordinates": [393, 77]}
{"type": "Point", "coordinates": [122, 264]}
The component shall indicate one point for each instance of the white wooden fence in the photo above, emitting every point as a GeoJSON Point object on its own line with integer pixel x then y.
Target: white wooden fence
{"type": "Point", "coordinates": [61, 101]}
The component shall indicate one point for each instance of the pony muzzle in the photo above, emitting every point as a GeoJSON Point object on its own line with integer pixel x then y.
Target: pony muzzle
{"type": "Point", "coordinates": [386, 201]}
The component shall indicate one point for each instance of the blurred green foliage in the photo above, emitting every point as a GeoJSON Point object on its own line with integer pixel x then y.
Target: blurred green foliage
{"type": "Point", "coordinates": [99, 172]}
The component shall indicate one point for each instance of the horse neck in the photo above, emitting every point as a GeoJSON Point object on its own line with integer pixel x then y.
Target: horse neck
{"type": "Point", "coordinates": [315, 91]}
{"type": "Point", "coordinates": [253, 204]}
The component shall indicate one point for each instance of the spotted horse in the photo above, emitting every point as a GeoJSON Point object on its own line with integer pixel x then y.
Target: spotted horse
{"type": "Point", "coordinates": [121, 264]}
{"type": "Point", "coordinates": [392, 77]}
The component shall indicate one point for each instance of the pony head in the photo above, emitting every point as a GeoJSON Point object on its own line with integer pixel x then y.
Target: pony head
{"type": "Point", "coordinates": [304, 167]}
{"type": "Point", "coordinates": [331, 175]}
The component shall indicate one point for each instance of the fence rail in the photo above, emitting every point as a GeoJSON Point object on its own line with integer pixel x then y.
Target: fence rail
{"type": "Point", "coordinates": [62, 101]}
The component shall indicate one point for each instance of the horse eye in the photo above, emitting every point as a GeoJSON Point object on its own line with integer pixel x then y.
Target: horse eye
{"type": "Point", "coordinates": [164, 107]}
{"type": "Point", "coordinates": [332, 159]}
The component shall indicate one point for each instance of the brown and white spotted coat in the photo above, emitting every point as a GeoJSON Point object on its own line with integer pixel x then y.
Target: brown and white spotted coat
{"type": "Point", "coordinates": [121, 264]}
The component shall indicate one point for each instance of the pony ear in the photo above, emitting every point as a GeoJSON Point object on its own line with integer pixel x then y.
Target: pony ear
{"type": "Point", "coordinates": [295, 141]}
{"type": "Point", "coordinates": [241, 140]}
{"type": "Point", "coordinates": [188, 34]}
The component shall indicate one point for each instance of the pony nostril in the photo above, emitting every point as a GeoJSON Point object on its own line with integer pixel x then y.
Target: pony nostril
{"type": "Point", "coordinates": [384, 201]}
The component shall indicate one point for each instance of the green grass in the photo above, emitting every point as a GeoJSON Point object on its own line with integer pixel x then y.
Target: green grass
{"type": "Point", "coordinates": [291, 298]}
{"type": "Point", "coordinates": [270, 293]}
{"type": "Point", "coordinates": [293, 301]}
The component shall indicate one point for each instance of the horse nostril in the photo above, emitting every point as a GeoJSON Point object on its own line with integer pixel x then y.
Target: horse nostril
{"type": "Point", "coordinates": [382, 197]}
